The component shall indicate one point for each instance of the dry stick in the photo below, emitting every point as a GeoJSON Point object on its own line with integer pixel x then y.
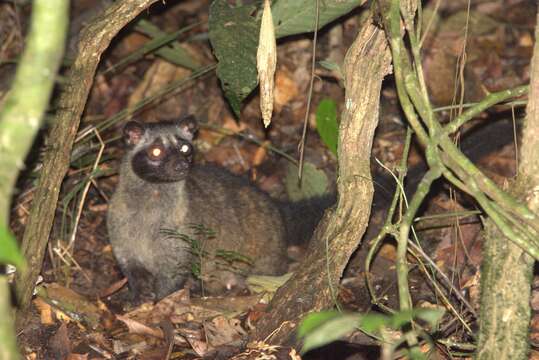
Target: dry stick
{"type": "Point", "coordinates": [85, 191]}
{"type": "Point", "coordinates": [309, 97]}
{"type": "Point", "coordinates": [429, 24]}
{"type": "Point", "coordinates": [94, 40]}
{"type": "Point", "coordinates": [515, 141]}
{"type": "Point", "coordinates": [63, 253]}
{"type": "Point", "coordinates": [251, 138]}
{"type": "Point", "coordinates": [461, 61]}
{"type": "Point", "coordinates": [449, 286]}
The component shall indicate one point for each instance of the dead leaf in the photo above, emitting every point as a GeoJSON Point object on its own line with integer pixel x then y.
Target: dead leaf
{"type": "Point", "coordinates": [261, 350]}
{"type": "Point", "coordinates": [266, 61]}
{"type": "Point", "coordinates": [69, 304]}
{"type": "Point", "coordinates": [200, 347]}
{"type": "Point", "coordinates": [77, 357]}
{"type": "Point", "coordinates": [156, 77]}
{"type": "Point", "coordinates": [286, 89]}
{"type": "Point", "coordinates": [59, 344]}
{"type": "Point", "coordinates": [260, 154]}
{"type": "Point", "coordinates": [113, 288]}
{"type": "Point", "coordinates": [139, 328]}
{"type": "Point", "coordinates": [231, 124]}
{"type": "Point", "coordinates": [45, 311]}
{"type": "Point", "coordinates": [222, 331]}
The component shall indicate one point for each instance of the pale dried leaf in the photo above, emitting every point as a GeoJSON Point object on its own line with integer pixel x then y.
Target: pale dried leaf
{"type": "Point", "coordinates": [222, 331]}
{"type": "Point", "coordinates": [266, 61]}
{"type": "Point", "coordinates": [77, 356]}
{"type": "Point", "coordinates": [136, 327]}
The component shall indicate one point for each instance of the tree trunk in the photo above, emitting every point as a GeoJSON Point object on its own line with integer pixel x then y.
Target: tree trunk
{"type": "Point", "coordinates": [314, 286]}
{"type": "Point", "coordinates": [506, 271]}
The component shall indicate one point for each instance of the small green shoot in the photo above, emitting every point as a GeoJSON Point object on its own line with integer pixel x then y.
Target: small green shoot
{"type": "Point", "coordinates": [197, 237]}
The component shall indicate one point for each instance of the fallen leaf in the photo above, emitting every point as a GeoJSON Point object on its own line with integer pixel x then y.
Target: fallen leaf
{"type": "Point", "coordinates": [45, 311]}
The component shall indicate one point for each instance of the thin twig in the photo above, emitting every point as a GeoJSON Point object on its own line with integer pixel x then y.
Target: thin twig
{"type": "Point", "coordinates": [309, 97]}
{"type": "Point", "coordinates": [85, 191]}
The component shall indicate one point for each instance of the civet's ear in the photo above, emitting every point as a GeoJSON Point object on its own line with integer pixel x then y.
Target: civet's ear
{"type": "Point", "coordinates": [188, 126]}
{"type": "Point", "coordinates": [133, 132]}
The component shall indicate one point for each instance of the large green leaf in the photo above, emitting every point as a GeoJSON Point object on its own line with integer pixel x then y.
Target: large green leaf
{"type": "Point", "coordinates": [9, 251]}
{"type": "Point", "coordinates": [315, 320]}
{"type": "Point", "coordinates": [234, 38]}
{"type": "Point", "coordinates": [298, 16]}
{"type": "Point", "coordinates": [233, 33]}
{"type": "Point", "coordinates": [314, 182]}
{"type": "Point", "coordinates": [319, 329]}
{"type": "Point", "coordinates": [326, 124]}
{"type": "Point", "coordinates": [324, 328]}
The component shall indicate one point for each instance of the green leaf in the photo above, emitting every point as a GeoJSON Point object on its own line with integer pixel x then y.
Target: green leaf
{"type": "Point", "coordinates": [174, 52]}
{"type": "Point", "coordinates": [330, 330]}
{"type": "Point", "coordinates": [416, 354]}
{"type": "Point", "coordinates": [326, 124]}
{"type": "Point", "coordinates": [298, 16]}
{"type": "Point", "coordinates": [233, 34]}
{"type": "Point", "coordinates": [314, 320]}
{"type": "Point", "coordinates": [332, 66]}
{"type": "Point", "coordinates": [371, 323]}
{"type": "Point", "coordinates": [314, 182]}
{"type": "Point", "coordinates": [401, 318]}
{"type": "Point", "coordinates": [9, 251]}
{"type": "Point", "coordinates": [431, 316]}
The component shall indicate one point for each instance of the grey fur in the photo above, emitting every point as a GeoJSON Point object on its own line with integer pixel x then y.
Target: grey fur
{"type": "Point", "coordinates": [244, 219]}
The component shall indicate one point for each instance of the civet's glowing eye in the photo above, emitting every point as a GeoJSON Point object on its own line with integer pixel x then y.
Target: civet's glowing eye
{"type": "Point", "coordinates": [156, 152]}
{"type": "Point", "coordinates": [184, 148]}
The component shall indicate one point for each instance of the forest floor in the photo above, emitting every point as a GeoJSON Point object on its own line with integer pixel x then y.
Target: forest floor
{"type": "Point", "coordinates": [83, 309]}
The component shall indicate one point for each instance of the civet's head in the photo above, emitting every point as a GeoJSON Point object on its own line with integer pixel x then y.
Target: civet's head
{"type": "Point", "coordinates": [161, 152]}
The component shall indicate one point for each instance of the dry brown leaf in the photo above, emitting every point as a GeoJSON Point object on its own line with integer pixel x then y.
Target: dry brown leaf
{"type": "Point", "coordinates": [200, 347]}
{"type": "Point", "coordinates": [266, 61]}
{"type": "Point", "coordinates": [286, 89]}
{"type": "Point", "coordinates": [59, 344]}
{"type": "Point", "coordinates": [77, 356]}
{"type": "Point", "coordinates": [66, 300]}
{"type": "Point", "coordinates": [136, 327]}
{"type": "Point", "coordinates": [222, 331]}
{"type": "Point", "coordinates": [113, 288]}
{"type": "Point", "coordinates": [260, 154]}
{"type": "Point", "coordinates": [230, 124]}
{"type": "Point", "coordinates": [45, 311]}
{"type": "Point", "coordinates": [156, 77]}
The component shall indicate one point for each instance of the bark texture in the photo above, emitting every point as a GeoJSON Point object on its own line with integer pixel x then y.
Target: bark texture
{"type": "Point", "coordinates": [95, 38]}
{"type": "Point", "coordinates": [506, 272]}
{"type": "Point", "coordinates": [314, 286]}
